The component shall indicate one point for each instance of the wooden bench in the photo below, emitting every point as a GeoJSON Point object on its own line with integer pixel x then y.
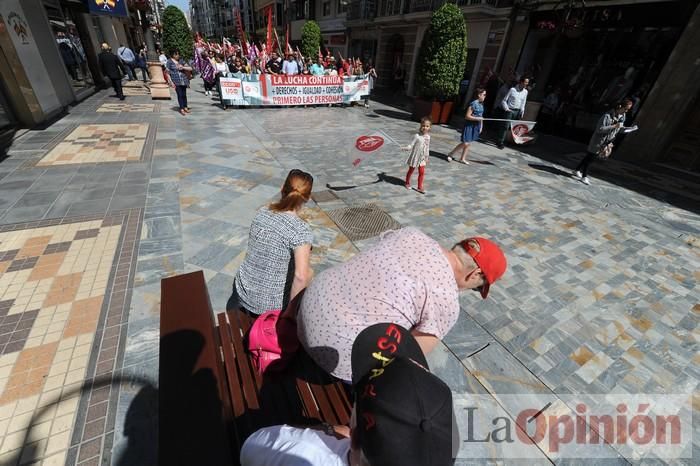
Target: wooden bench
{"type": "Point", "coordinates": [210, 397]}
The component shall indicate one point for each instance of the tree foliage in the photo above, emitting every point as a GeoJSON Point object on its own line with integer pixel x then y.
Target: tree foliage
{"type": "Point", "coordinates": [176, 33]}
{"type": "Point", "coordinates": [443, 54]}
{"type": "Point", "coordinates": [310, 39]}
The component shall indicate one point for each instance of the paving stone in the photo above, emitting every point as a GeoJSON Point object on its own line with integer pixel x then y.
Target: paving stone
{"type": "Point", "coordinates": [600, 296]}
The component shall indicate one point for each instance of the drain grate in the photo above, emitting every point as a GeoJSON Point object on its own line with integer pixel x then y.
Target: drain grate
{"type": "Point", "coordinates": [362, 222]}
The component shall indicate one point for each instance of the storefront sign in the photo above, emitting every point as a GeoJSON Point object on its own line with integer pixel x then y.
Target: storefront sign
{"type": "Point", "coordinates": [107, 7]}
{"type": "Point", "coordinates": [270, 89]}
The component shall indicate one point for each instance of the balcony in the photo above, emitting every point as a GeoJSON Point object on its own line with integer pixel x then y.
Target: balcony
{"type": "Point", "coordinates": [370, 9]}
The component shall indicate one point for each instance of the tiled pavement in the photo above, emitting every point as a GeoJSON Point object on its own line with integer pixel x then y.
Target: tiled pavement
{"type": "Point", "coordinates": [601, 295]}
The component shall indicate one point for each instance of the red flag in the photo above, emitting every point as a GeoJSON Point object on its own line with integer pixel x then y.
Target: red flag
{"type": "Point", "coordinates": [287, 47]}
{"type": "Point", "coordinates": [241, 32]}
{"type": "Point", "coordinates": [268, 40]}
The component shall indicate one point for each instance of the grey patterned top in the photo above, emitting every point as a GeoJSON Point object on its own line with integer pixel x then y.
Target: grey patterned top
{"type": "Point", "coordinates": [264, 279]}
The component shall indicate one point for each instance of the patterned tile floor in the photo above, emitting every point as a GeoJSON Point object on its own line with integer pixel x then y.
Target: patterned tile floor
{"type": "Point", "coordinates": [601, 295]}
{"type": "Point", "coordinates": [98, 144]}
{"type": "Point", "coordinates": [126, 107]}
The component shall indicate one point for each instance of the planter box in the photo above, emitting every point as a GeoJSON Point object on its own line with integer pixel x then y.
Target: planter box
{"type": "Point", "coordinates": [446, 112]}
{"type": "Point", "coordinates": [422, 108]}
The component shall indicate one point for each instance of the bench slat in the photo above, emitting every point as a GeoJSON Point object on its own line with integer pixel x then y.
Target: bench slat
{"type": "Point", "coordinates": [310, 408]}
{"type": "Point", "coordinates": [323, 403]}
{"type": "Point", "coordinates": [246, 371]}
{"type": "Point", "coordinates": [340, 406]}
{"type": "Point", "coordinates": [234, 381]}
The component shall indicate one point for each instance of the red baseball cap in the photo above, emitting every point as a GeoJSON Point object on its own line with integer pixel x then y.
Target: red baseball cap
{"type": "Point", "coordinates": [489, 258]}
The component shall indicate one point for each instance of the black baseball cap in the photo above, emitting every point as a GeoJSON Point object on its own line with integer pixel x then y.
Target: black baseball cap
{"type": "Point", "coordinates": [404, 413]}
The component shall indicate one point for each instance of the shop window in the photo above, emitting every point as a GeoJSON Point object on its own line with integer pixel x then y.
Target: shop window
{"type": "Point", "coordinates": [69, 39]}
{"type": "Point", "coordinates": [342, 6]}
{"type": "Point", "coordinates": [472, 55]}
{"type": "Point", "coordinates": [326, 8]}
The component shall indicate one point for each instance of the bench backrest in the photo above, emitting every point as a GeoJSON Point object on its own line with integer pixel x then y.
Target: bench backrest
{"type": "Point", "coordinates": [193, 401]}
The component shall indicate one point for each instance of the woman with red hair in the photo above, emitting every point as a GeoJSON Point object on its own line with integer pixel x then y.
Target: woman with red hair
{"type": "Point", "coordinates": [276, 267]}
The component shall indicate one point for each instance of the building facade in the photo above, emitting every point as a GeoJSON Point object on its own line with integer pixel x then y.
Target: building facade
{"type": "Point", "coordinates": [48, 53]}
{"type": "Point", "coordinates": [214, 19]}
{"type": "Point", "coordinates": [390, 33]}
{"type": "Point", "coordinates": [593, 55]}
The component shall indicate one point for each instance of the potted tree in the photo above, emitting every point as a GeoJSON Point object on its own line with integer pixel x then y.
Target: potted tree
{"type": "Point", "coordinates": [441, 61]}
{"type": "Point", "coordinates": [176, 33]}
{"type": "Point", "coordinates": [310, 39]}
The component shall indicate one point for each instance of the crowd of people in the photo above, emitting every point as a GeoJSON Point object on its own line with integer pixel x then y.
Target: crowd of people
{"type": "Point", "coordinates": [405, 289]}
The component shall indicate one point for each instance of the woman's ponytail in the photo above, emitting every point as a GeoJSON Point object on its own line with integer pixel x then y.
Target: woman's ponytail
{"type": "Point", "coordinates": [295, 192]}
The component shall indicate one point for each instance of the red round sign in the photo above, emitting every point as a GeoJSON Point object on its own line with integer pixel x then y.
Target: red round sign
{"type": "Point", "coordinates": [520, 130]}
{"type": "Point", "coordinates": [369, 143]}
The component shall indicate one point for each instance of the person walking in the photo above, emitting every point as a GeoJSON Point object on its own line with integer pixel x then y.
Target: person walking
{"type": "Point", "coordinates": [112, 67]}
{"type": "Point", "coordinates": [276, 266]}
{"type": "Point", "coordinates": [420, 150]}
{"type": "Point", "coordinates": [176, 70]}
{"type": "Point", "coordinates": [371, 76]}
{"type": "Point", "coordinates": [142, 62]}
{"type": "Point", "coordinates": [473, 125]}
{"type": "Point", "coordinates": [128, 59]}
{"type": "Point", "coordinates": [512, 107]}
{"type": "Point", "coordinates": [601, 143]}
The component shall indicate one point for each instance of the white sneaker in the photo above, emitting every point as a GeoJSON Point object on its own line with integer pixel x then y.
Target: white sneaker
{"type": "Point", "coordinates": [449, 159]}
{"type": "Point", "coordinates": [586, 180]}
{"type": "Point", "coordinates": [577, 174]}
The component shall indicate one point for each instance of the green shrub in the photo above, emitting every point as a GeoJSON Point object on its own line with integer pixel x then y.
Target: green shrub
{"type": "Point", "coordinates": [443, 54]}
{"type": "Point", "coordinates": [310, 39]}
{"type": "Point", "coordinates": [176, 33]}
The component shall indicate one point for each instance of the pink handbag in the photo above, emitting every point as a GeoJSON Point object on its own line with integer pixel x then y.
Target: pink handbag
{"type": "Point", "coordinates": [267, 352]}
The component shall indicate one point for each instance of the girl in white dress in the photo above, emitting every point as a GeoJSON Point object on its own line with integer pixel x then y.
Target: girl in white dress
{"type": "Point", "coordinates": [420, 150]}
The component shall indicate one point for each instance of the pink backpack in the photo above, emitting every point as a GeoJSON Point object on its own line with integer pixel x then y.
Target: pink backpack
{"type": "Point", "coordinates": [264, 342]}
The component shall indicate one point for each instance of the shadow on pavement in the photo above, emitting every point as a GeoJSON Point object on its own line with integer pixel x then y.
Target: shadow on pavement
{"type": "Point", "coordinates": [140, 425]}
{"type": "Point", "coordinates": [550, 169]}
{"type": "Point", "coordinates": [438, 155]}
{"type": "Point", "coordinates": [394, 114]}
{"type": "Point", "coordinates": [647, 180]}
{"type": "Point", "coordinates": [390, 179]}
{"type": "Point", "coordinates": [651, 180]}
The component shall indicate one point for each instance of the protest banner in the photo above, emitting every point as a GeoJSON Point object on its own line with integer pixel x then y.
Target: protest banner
{"type": "Point", "coordinates": [355, 88]}
{"type": "Point", "coordinates": [269, 89]}
{"type": "Point", "coordinates": [231, 91]}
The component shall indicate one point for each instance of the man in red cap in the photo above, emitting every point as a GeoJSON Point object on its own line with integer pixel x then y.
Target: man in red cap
{"type": "Point", "coordinates": [407, 278]}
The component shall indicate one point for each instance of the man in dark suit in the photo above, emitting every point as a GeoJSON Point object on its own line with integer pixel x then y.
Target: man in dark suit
{"type": "Point", "coordinates": [112, 67]}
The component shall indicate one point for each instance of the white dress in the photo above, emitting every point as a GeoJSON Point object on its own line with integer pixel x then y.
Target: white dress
{"type": "Point", "coordinates": [420, 150]}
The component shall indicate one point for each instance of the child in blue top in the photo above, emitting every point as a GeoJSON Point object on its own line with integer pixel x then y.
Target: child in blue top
{"type": "Point", "coordinates": [474, 123]}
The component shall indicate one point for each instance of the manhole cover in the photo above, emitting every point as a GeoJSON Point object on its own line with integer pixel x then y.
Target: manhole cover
{"type": "Point", "coordinates": [362, 222]}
